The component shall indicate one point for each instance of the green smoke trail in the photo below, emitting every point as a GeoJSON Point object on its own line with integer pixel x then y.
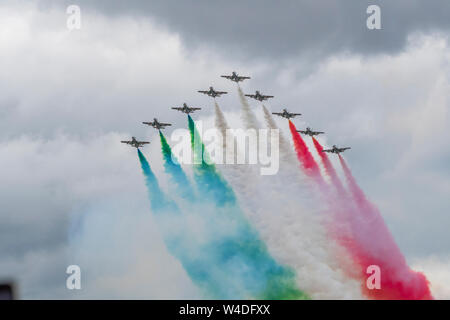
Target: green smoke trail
{"type": "Point", "coordinates": [158, 199]}
{"type": "Point", "coordinates": [209, 258]}
{"type": "Point", "coordinates": [177, 174]}
{"type": "Point", "coordinates": [209, 180]}
{"type": "Point", "coordinates": [177, 238]}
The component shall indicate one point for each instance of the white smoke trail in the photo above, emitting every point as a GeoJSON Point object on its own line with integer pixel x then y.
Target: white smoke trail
{"type": "Point", "coordinates": [248, 117]}
{"type": "Point", "coordinates": [275, 205]}
{"type": "Point", "coordinates": [285, 146]}
{"type": "Point", "coordinates": [222, 125]}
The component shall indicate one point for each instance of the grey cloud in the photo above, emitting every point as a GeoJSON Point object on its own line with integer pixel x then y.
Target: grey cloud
{"type": "Point", "coordinates": [279, 29]}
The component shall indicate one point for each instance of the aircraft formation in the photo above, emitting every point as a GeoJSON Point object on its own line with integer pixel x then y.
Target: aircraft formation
{"type": "Point", "coordinates": [211, 92]}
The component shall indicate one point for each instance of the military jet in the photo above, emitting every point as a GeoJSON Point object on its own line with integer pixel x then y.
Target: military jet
{"type": "Point", "coordinates": [235, 77]}
{"type": "Point", "coordinates": [309, 132]}
{"type": "Point", "coordinates": [336, 149]}
{"type": "Point", "coordinates": [157, 125]}
{"type": "Point", "coordinates": [213, 93]}
{"type": "Point", "coordinates": [258, 96]}
{"type": "Point", "coordinates": [135, 143]}
{"type": "Point", "coordinates": [186, 109]}
{"type": "Point", "coordinates": [286, 114]}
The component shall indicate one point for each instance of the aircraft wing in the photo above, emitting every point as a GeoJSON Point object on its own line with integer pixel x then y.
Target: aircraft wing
{"type": "Point", "coordinates": [166, 124]}
{"type": "Point", "coordinates": [227, 77]}
{"type": "Point", "coordinates": [221, 92]}
{"type": "Point", "coordinates": [302, 131]}
{"type": "Point", "coordinates": [251, 95]}
{"type": "Point", "coordinates": [267, 97]}
{"type": "Point", "coordinates": [343, 149]}
{"type": "Point", "coordinates": [141, 143]}
{"type": "Point", "coordinates": [318, 132]}
{"type": "Point", "coordinates": [296, 114]}
{"type": "Point", "coordinates": [328, 150]}
{"type": "Point", "coordinates": [196, 108]}
{"type": "Point", "coordinates": [177, 108]}
{"type": "Point", "coordinates": [127, 142]}
{"type": "Point", "coordinates": [277, 113]}
{"type": "Point", "coordinates": [203, 91]}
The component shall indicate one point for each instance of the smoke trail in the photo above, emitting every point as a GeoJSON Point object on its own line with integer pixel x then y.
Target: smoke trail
{"type": "Point", "coordinates": [285, 146]}
{"type": "Point", "coordinates": [248, 117]}
{"type": "Point", "coordinates": [158, 201]}
{"type": "Point", "coordinates": [329, 169]}
{"type": "Point", "coordinates": [206, 256]}
{"type": "Point", "coordinates": [221, 123]}
{"type": "Point", "coordinates": [177, 174]}
{"type": "Point", "coordinates": [374, 245]}
{"type": "Point", "coordinates": [228, 144]}
{"type": "Point", "coordinates": [304, 155]}
{"type": "Point", "coordinates": [364, 234]}
{"type": "Point", "coordinates": [209, 180]}
{"type": "Point", "coordinates": [238, 248]}
{"type": "Point", "coordinates": [350, 231]}
{"type": "Point", "coordinates": [177, 241]}
{"type": "Point", "coordinates": [358, 194]}
{"type": "Point", "coordinates": [294, 236]}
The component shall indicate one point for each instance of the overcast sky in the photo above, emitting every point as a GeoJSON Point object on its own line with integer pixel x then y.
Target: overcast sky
{"type": "Point", "coordinates": [68, 97]}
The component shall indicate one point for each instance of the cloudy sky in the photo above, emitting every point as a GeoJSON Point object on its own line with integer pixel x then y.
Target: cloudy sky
{"type": "Point", "coordinates": [68, 97]}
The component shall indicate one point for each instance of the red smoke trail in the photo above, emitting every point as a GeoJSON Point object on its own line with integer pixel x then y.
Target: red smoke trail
{"type": "Point", "coordinates": [329, 169]}
{"type": "Point", "coordinates": [362, 231]}
{"type": "Point", "coordinates": [373, 244]}
{"type": "Point", "coordinates": [338, 202]}
{"type": "Point", "coordinates": [340, 206]}
{"type": "Point", "coordinates": [309, 164]}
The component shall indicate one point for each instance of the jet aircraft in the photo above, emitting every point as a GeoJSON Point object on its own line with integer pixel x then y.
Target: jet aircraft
{"type": "Point", "coordinates": [336, 149]}
{"type": "Point", "coordinates": [157, 125]}
{"type": "Point", "coordinates": [135, 143]}
{"type": "Point", "coordinates": [235, 77]}
{"type": "Point", "coordinates": [310, 132]}
{"type": "Point", "coordinates": [258, 96]}
{"type": "Point", "coordinates": [213, 93]}
{"type": "Point", "coordinates": [186, 109]}
{"type": "Point", "coordinates": [286, 114]}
